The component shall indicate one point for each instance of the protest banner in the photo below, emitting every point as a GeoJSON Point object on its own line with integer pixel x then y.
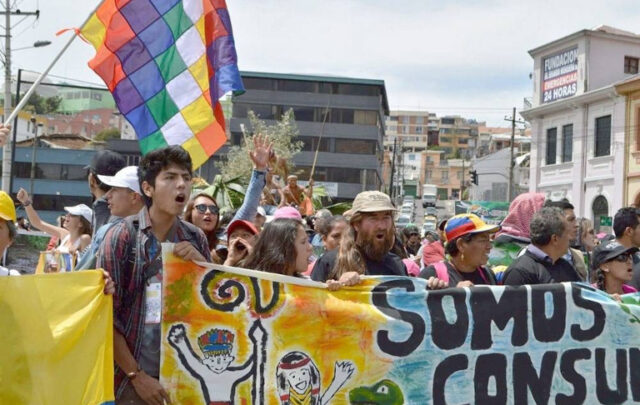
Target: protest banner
{"type": "Point", "coordinates": [56, 345]}
{"type": "Point", "coordinates": [245, 337]}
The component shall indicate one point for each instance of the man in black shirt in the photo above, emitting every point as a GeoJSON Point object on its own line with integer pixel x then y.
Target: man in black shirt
{"type": "Point", "coordinates": [626, 226]}
{"type": "Point", "coordinates": [104, 163]}
{"type": "Point", "coordinates": [365, 246]}
{"type": "Point", "coordinates": [542, 262]}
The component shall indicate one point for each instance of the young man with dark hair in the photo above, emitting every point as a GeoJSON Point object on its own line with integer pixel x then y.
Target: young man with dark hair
{"type": "Point", "coordinates": [131, 253]}
{"type": "Point", "coordinates": [542, 262]}
{"type": "Point", "coordinates": [627, 230]}
{"type": "Point", "coordinates": [104, 163]}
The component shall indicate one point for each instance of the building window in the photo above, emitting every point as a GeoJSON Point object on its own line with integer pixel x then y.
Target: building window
{"type": "Point", "coordinates": [418, 130]}
{"type": "Point", "coordinates": [630, 65]}
{"type": "Point", "coordinates": [355, 146]}
{"type": "Point", "coordinates": [603, 136]}
{"type": "Point", "coordinates": [552, 136]}
{"type": "Point", "coordinates": [253, 83]}
{"type": "Point", "coordinates": [444, 175]}
{"type": "Point", "coordinates": [298, 86]}
{"type": "Point", "coordinates": [301, 113]}
{"type": "Point", "coordinates": [567, 143]}
{"type": "Point", "coordinates": [310, 144]}
{"type": "Point", "coordinates": [444, 139]}
{"type": "Point", "coordinates": [419, 120]}
{"type": "Point", "coordinates": [365, 117]}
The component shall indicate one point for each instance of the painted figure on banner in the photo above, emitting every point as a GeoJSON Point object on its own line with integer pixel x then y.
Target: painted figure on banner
{"type": "Point", "coordinates": [217, 377]}
{"type": "Point", "coordinates": [385, 392]}
{"type": "Point", "coordinates": [298, 380]}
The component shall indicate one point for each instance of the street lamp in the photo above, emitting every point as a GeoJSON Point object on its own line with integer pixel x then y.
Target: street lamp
{"type": "Point", "coordinates": [37, 44]}
{"type": "Point", "coordinates": [6, 150]}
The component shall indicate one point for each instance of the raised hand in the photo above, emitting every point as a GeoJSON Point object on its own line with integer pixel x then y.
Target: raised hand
{"type": "Point", "coordinates": [261, 153]}
{"type": "Point", "coordinates": [177, 333]}
{"type": "Point", "coordinates": [4, 134]}
{"type": "Point", "coordinates": [22, 196]}
{"type": "Point", "coordinates": [343, 370]}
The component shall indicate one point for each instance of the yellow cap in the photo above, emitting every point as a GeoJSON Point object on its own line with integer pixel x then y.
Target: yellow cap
{"type": "Point", "coordinates": [7, 209]}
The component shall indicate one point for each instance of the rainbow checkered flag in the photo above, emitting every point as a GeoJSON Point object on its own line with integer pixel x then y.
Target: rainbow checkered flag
{"type": "Point", "coordinates": [167, 63]}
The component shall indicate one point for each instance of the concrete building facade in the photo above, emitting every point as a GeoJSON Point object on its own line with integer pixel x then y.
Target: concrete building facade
{"type": "Point", "coordinates": [578, 119]}
{"type": "Point", "coordinates": [351, 148]}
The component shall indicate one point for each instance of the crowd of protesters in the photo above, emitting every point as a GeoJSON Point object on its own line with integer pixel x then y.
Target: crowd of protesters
{"type": "Point", "coordinates": [136, 209]}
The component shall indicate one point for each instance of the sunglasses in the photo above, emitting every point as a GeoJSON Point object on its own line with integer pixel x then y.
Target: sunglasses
{"type": "Point", "coordinates": [623, 257]}
{"type": "Point", "coordinates": [202, 208]}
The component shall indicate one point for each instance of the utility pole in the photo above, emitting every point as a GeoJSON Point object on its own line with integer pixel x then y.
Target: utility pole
{"type": "Point", "coordinates": [462, 182]}
{"type": "Point", "coordinates": [393, 168]}
{"type": "Point", "coordinates": [6, 150]}
{"type": "Point", "coordinates": [511, 160]}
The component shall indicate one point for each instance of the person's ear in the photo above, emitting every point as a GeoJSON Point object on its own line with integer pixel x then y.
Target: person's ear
{"type": "Point", "coordinates": [628, 231]}
{"type": "Point", "coordinates": [147, 189]}
{"type": "Point", "coordinates": [604, 268]}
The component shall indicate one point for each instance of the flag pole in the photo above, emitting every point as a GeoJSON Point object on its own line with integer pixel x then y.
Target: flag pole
{"type": "Point", "coordinates": [324, 121]}
{"type": "Point", "coordinates": [32, 89]}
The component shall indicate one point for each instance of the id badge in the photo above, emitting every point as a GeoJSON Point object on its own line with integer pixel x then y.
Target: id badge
{"type": "Point", "coordinates": [153, 303]}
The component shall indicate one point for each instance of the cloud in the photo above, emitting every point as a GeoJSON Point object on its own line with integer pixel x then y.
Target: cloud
{"type": "Point", "coordinates": [432, 53]}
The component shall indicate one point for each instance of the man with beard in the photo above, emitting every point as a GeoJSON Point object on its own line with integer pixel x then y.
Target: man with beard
{"type": "Point", "coordinates": [365, 245]}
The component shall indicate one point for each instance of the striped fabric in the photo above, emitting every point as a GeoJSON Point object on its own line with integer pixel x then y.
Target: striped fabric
{"type": "Point", "coordinates": [167, 63]}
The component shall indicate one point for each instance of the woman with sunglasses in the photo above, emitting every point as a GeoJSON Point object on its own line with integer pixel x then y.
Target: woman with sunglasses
{"type": "Point", "coordinates": [202, 211]}
{"type": "Point", "coordinates": [468, 246]}
{"type": "Point", "coordinates": [613, 267]}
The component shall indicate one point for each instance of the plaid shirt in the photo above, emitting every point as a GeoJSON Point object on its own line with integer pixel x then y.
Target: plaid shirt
{"type": "Point", "coordinates": [124, 253]}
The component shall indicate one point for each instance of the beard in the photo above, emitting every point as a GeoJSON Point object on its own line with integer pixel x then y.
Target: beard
{"type": "Point", "coordinates": [375, 248]}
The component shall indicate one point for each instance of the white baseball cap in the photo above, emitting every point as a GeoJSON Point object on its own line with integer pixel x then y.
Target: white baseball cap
{"type": "Point", "coordinates": [126, 178]}
{"type": "Point", "coordinates": [80, 210]}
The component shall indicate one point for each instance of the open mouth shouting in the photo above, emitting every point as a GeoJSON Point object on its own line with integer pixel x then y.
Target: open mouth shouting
{"type": "Point", "coordinates": [181, 198]}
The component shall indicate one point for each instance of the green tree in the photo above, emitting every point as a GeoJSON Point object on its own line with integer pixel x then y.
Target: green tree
{"type": "Point", "coordinates": [228, 194]}
{"type": "Point", "coordinates": [106, 134]}
{"type": "Point", "coordinates": [43, 105]}
{"type": "Point", "coordinates": [237, 164]}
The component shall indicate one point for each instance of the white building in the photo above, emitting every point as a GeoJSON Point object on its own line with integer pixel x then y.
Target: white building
{"type": "Point", "coordinates": [578, 120]}
{"type": "Point", "coordinates": [493, 175]}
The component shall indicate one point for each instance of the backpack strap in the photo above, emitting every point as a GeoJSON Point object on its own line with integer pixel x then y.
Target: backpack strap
{"type": "Point", "coordinates": [441, 271]}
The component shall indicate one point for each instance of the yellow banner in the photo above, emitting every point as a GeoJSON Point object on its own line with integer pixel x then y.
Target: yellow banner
{"type": "Point", "coordinates": [56, 344]}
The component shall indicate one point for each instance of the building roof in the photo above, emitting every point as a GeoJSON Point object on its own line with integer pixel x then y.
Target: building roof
{"type": "Point", "coordinates": [63, 141]}
{"type": "Point", "coordinates": [507, 137]}
{"type": "Point", "coordinates": [603, 31]}
{"type": "Point", "coordinates": [628, 85]}
{"type": "Point", "coordinates": [323, 78]}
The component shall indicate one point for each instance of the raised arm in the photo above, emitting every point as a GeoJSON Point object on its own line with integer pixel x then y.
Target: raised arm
{"type": "Point", "coordinates": [178, 340]}
{"type": "Point", "coordinates": [34, 218]}
{"type": "Point", "coordinates": [260, 157]}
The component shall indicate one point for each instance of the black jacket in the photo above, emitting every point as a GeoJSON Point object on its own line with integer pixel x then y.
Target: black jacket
{"type": "Point", "coordinates": [530, 269]}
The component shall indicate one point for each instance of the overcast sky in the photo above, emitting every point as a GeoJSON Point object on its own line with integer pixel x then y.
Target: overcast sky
{"type": "Point", "coordinates": [446, 56]}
